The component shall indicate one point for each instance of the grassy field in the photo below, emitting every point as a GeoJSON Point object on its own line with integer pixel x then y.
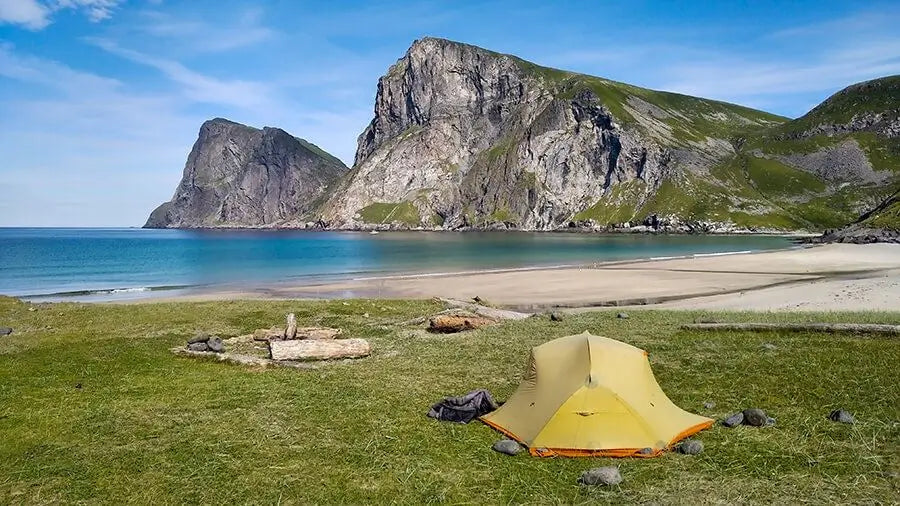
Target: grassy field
{"type": "Point", "coordinates": [147, 426]}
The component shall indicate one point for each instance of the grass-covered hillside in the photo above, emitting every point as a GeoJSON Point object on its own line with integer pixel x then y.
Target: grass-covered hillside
{"type": "Point", "coordinates": [95, 409]}
{"type": "Point", "coordinates": [822, 170]}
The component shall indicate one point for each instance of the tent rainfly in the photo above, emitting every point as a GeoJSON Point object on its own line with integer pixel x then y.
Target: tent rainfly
{"type": "Point", "coordinates": [586, 395]}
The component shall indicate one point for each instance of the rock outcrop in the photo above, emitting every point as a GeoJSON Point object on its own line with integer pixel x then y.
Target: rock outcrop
{"type": "Point", "coordinates": [881, 224]}
{"type": "Point", "coordinates": [465, 137]}
{"type": "Point", "coordinates": [238, 176]}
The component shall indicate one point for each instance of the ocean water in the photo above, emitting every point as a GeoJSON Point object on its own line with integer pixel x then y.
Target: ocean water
{"type": "Point", "coordinates": [110, 264]}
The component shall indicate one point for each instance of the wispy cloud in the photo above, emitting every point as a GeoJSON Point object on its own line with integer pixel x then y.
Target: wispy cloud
{"type": "Point", "coordinates": [84, 139]}
{"type": "Point", "coordinates": [35, 15]}
{"type": "Point", "coordinates": [196, 86]}
{"type": "Point", "coordinates": [198, 35]}
{"type": "Point", "coordinates": [754, 81]}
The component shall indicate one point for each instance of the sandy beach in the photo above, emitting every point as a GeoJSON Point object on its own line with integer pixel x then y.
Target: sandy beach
{"type": "Point", "coordinates": [826, 277]}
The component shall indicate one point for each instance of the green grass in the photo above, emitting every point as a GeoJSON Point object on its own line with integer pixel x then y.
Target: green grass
{"type": "Point", "coordinates": [772, 177]}
{"type": "Point", "coordinates": [886, 216]}
{"type": "Point", "coordinates": [384, 212]}
{"type": "Point", "coordinates": [617, 207]}
{"type": "Point", "coordinates": [877, 95]}
{"type": "Point", "coordinates": [147, 426]}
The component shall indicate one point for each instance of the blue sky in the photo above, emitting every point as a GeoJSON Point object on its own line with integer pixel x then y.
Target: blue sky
{"type": "Point", "coordinates": [101, 100]}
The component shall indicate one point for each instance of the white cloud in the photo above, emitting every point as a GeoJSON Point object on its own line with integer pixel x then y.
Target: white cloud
{"type": "Point", "coordinates": [200, 36]}
{"type": "Point", "coordinates": [35, 15]}
{"type": "Point", "coordinates": [27, 13]}
{"type": "Point", "coordinates": [198, 87]}
{"type": "Point", "coordinates": [86, 152]}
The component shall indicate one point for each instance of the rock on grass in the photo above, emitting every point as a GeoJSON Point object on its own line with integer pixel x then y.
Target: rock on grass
{"type": "Point", "coordinates": [198, 347]}
{"type": "Point", "coordinates": [734, 420]}
{"type": "Point", "coordinates": [215, 344]}
{"type": "Point", "coordinates": [556, 317]}
{"type": "Point", "coordinates": [690, 447]}
{"type": "Point", "coordinates": [842, 416]}
{"type": "Point", "coordinates": [604, 476]}
{"type": "Point", "coordinates": [755, 417]}
{"type": "Point", "coordinates": [5, 331]}
{"type": "Point", "coordinates": [622, 316]}
{"type": "Point", "coordinates": [200, 337]}
{"type": "Point", "coordinates": [507, 447]}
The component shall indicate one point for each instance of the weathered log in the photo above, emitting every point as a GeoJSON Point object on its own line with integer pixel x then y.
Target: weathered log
{"type": "Point", "coordinates": [864, 328]}
{"type": "Point", "coordinates": [451, 323]}
{"type": "Point", "coordinates": [488, 312]}
{"type": "Point", "coordinates": [240, 359]}
{"type": "Point", "coordinates": [319, 349]}
{"type": "Point", "coordinates": [290, 332]}
{"type": "Point", "coordinates": [317, 333]}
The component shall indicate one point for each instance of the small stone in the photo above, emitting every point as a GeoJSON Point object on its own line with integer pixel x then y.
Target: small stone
{"type": "Point", "coordinates": [622, 316]}
{"type": "Point", "coordinates": [605, 476]}
{"type": "Point", "coordinates": [198, 347]}
{"type": "Point", "coordinates": [556, 317]}
{"type": "Point", "coordinates": [842, 416]}
{"type": "Point", "coordinates": [646, 451]}
{"type": "Point", "coordinates": [200, 337]}
{"type": "Point", "coordinates": [507, 447]}
{"type": "Point", "coordinates": [770, 421]}
{"type": "Point", "coordinates": [215, 344]}
{"type": "Point", "coordinates": [768, 346]}
{"type": "Point", "coordinates": [709, 404]}
{"type": "Point", "coordinates": [476, 299]}
{"type": "Point", "coordinates": [755, 417]}
{"type": "Point", "coordinates": [734, 420]}
{"type": "Point", "coordinates": [690, 447]}
{"type": "Point", "coordinates": [5, 331]}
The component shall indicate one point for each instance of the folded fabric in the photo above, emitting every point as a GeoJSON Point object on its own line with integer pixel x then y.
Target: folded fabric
{"type": "Point", "coordinates": [463, 409]}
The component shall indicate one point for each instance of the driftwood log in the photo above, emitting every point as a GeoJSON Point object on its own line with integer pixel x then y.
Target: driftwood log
{"type": "Point", "coordinates": [449, 323]}
{"type": "Point", "coordinates": [319, 349]}
{"type": "Point", "coordinates": [240, 359]}
{"type": "Point", "coordinates": [290, 332]}
{"type": "Point", "coordinates": [864, 328]}
{"type": "Point", "coordinates": [486, 311]}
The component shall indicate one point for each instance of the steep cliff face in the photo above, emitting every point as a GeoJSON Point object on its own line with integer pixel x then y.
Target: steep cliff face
{"type": "Point", "coordinates": [240, 176]}
{"type": "Point", "coordinates": [463, 136]}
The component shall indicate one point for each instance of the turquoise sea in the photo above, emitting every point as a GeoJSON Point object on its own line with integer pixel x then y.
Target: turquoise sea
{"type": "Point", "coordinates": [112, 264]}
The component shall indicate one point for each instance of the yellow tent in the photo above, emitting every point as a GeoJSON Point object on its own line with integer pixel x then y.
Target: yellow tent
{"type": "Point", "coordinates": [586, 395]}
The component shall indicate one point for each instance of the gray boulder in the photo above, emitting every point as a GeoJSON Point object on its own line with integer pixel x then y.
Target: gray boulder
{"type": "Point", "coordinates": [507, 447]}
{"type": "Point", "coordinates": [755, 417]}
{"type": "Point", "coordinates": [5, 331]}
{"type": "Point", "coordinates": [622, 316]}
{"type": "Point", "coordinates": [709, 405]}
{"type": "Point", "coordinates": [604, 476]}
{"type": "Point", "coordinates": [215, 344]}
{"type": "Point", "coordinates": [198, 347]}
{"type": "Point", "coordinates": [842, 416]}
{"type": "Point", "coordinates": [200, 337]}
{"type": "Point", "coordinates": [556, 317]}
{"type": "Point", "coordinates": [734, 420]}
{"type": "Point", "coordinates": [690, 447]}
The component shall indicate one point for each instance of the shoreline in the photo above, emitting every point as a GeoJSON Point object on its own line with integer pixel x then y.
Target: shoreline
{"type": "Point", "coordinates": [811, 277]}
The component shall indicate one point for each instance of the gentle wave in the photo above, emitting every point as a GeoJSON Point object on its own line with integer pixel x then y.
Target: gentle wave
{"type": "Point", "coordinates": [106, 291]}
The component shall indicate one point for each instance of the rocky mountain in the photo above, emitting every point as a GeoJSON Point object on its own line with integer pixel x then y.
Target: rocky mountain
{"type": "Point", "coordinates": [238, 176]}
{"type": "Point", "coordinates": [465, 137]}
